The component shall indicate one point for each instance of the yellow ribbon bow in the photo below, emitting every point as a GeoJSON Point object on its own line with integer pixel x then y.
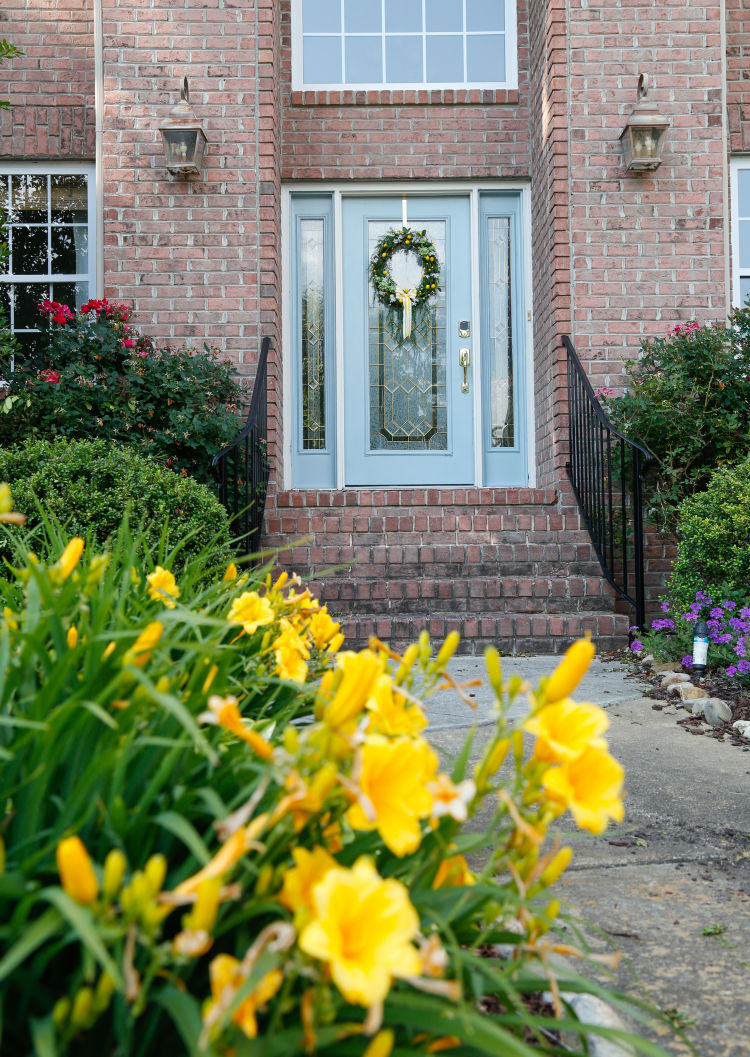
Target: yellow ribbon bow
{"type": "Point", "coordinates": [407, 297]}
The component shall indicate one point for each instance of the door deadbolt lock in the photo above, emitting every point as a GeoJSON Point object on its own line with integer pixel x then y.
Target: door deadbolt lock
{"type": "Point", "coordinates": [464, 328]}
{"type": "Point", "coordinates": [464, 359]}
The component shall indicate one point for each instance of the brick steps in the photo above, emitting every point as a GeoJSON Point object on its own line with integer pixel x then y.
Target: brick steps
{"type": "Point", "coordinates": [511, 567]}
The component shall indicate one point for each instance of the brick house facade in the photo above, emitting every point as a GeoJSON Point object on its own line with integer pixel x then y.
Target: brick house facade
{"type": "Point", "coordinates": [494, 548]}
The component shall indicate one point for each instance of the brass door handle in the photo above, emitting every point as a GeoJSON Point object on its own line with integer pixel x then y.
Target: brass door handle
{"type": "Point", "coordinates": [464, 359]}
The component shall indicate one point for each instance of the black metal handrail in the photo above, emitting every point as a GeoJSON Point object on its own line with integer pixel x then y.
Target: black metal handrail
{"type": "Point", "coordinates": [242, 468]}
{"type": "Point", "coordinates": [605, 470]}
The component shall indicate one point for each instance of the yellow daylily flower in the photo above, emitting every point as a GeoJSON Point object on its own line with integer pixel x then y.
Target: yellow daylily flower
{"type": "Point", "coordinates": [322, 628]}
{"type": "Point", "coordinates": [162, 586]}
{"type": "Point", "coordinates": [140, 651]}
{"type": "Point", "coordinates": [451, 799]}
{"type": "Point", "coordinates": [69, 558]}
{"type": "Point", "coordinates": [310, 867]}
{"type": "Point", "coordinates": [390, 713]}
{"type": "Point", "coordinates": [76, 872]}
{"type": "Point", "coordinates": [345, 690]}
{"type": "Point", "coordinates": [228, 854]}
{"type": "Point", "coordinates": [304, 800]}
{"type": "Point", "coordinates": [381, 1045]}
{"type": "Point", "coordinates": [251, 611]}
{"type": "Point", "coordinates": [395, 774]}
{"type": "Point", "coordinates": [570, 671]}
{"type": "Point", "coordinates": [590, 786]}
{"type": "Point", "coordinates": [226, 972]}
{"type": "Point", "coordinates": [7, 514]}
{"type": "Point", "coordinates": [565, 729]}
{"type": "Point", "coordinates": [362, 928]}
{"type": "Point", "coordinates": [290, 664]}
{"type": "Point", "coordinates": [226, 713]}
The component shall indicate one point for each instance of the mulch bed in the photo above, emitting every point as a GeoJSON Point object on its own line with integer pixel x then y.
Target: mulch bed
{"type": "Point", "coordinates": [715, 685]}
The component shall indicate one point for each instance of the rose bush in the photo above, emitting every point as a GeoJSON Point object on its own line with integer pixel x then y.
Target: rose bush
{"type": "Point", "coordinates": [96, 377]}
{"type": "Point", "coordinates": [689, 403]}
{"type": "Point", "coordinates": [224, 835]}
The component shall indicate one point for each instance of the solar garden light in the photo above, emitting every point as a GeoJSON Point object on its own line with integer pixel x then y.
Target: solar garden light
{"type": "Point", "coordinates": [183, 137]}
{"type": "Point", "coordinates": [700, 648]}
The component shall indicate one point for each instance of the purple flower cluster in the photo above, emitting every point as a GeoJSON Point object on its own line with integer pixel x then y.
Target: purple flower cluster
{"type": "Point", "coordinates": [687, 661]}
{"type": "Point", "coordinates": [662, 624]}
{"type": "Point", "coordinates": [728, 627]}
{"type": "Point", "coordinates": [741, 668]}
{"type": "Point", "coordinates": [636, 646]}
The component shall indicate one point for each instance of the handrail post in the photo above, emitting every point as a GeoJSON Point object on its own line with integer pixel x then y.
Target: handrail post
{"type": "Point", "coordinates": [640, 594]}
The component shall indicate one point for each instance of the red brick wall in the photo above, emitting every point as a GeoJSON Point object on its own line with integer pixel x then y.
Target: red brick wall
{"type": "Point", "coordinates": [738, 74]}
{"type": "Point", "coordinates": [52, 85]}
{"type": "Point", "coordinates": [550, 229]}
{"type": "Point", "coordinates": [647, 251]}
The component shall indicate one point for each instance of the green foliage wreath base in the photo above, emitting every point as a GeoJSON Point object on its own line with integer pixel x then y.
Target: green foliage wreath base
{"type": "Point", "coordinates": [410, 241]}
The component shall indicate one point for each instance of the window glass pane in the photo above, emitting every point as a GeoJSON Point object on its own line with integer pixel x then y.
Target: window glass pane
{"type": "Point", "coordinates": [743, 192]}
{"type": "Point", "coordinates": [484, 15]}
{"type": "Point", "coordinates": [363, 17]}
{"type": "Point", "coordinates": [403, 16]}
{"type": "Point", "coordinates": [26, 298]}
{"type": "Point", "coordinates": [3, 194]}
{"type": "Point", "coordinates": [500, 350]}
{"type": "Point", "coordinates": [445, 58]}
{"type": "Point", "coordinates": [444, 15]}
{"type": "Point", "coordinates": [322, 60]}
{"type": "Point", "coordinates": [29, 199]}
{"type": "Point", "coordinates": [744, 288]}
{"type": "Point", "coordinates": [68, 200]}
{"type": "Point", "coordinates": [321, 16]}
{"type": "Point", "coordinates": [72, 294]}
{"type": "Point", "coordinates": [70, 251]}
{"type": "Point", "coordinates": [744, 240]}
{"type": "Point", "coordinates": [485, 58]}
{"type": "Point", "coordinates": [5, 300]}
{"type": "Point", "coordinates": [312, 319]}
{"type": "Point", "coordinates": [403, 60]}
{"type": "Point", "coordinates": [29, 250]}
{"type": "Point", "coordinates": [364, 60]}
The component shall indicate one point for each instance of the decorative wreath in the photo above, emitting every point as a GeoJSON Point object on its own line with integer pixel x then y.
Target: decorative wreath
{"type": "Point", "coordinates": [387, 292]}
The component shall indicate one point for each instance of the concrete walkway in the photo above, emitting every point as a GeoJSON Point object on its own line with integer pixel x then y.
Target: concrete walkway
{"type": "Point", "coordinates": [670, 887]}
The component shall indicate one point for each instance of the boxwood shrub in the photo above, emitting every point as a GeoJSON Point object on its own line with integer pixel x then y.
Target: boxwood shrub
{"type": "Point", "coordinates": [714, 539]}
{"type": "Point", "coordinates": [87, 485]}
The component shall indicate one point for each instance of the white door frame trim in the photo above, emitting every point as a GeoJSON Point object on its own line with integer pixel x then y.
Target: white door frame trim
{"type": "Point", "coordinates": [423, 188]}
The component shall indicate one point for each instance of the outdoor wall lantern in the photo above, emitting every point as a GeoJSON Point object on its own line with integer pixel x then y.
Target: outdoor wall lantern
{"type": "Point", "coordinates": [183, 137]}
{"type": "Point", "coordinates": [643, 136]}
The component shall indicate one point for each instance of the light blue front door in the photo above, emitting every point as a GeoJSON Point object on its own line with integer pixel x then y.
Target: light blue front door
{"type": "Point", "coordinates": [408, 402]}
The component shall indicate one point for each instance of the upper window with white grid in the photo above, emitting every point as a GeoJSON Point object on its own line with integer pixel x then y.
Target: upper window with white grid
{"type": "Point", "coordinates": [404, 44]}
{"type": "Point", "coordinates": [48, 210]}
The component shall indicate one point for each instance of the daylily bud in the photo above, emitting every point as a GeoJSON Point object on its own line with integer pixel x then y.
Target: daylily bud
{"type": "Point", "coordinates": [494, 669]}
{"type": "Point", "coordinates": [155, 872]}
{"type": "Point", "coordinates": [70, 558]}
{"type": "Point", "coordinates": [558, 865]}
{"type": "Point", "coordinates": [72, 637]}
{"type": "Point", "coordinates": [381, 1045]}
{"type": "Point", "coordinates": [493, 762]}
{"type": "Point", "coordinates": [569, 672]}
{"type": "Point", "coordinates": [230, 574]}
{"type": "Point", "coordinates": [407, 663]}
{"type": "Point", "coordinates": [76, 872]}
{"type": "Point", "coordinates": [105, 988]}
{"type": "Point", "coordinates": [115, 866]}
{"type": "Point", "coordinates": [205, 909]}
{"type": "Point", "coordinates": [61, 1012]}
{"type": "Point", "coordinates": [447, 650]}
{"type": "Point", "coordinates": [82, 1007]}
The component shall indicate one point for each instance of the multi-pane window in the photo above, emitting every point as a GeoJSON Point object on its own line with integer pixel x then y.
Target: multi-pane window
{"type": "Point", "coordinates": [49, 232]}
{"type": "Point", "coordinates": [741, 229]}
{"type": "Point", "coordinates": [404, 43]}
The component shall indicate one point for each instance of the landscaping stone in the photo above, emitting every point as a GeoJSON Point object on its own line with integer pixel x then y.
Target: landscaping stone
{"type": "Point", "coordinates": [675, 677]}
{"type": "Point", "coordinates": [647, 661]}
{"type": "Point", "coordinates": [717, 712]}
{"type": "Point", "coordinates": [667, 666]}
{"type": "Point", "coordinates": [686, 691]}
{"type": "Point", "coordinates": [742, 726]}
{"type": "Point", "coordinates": [697, 706]}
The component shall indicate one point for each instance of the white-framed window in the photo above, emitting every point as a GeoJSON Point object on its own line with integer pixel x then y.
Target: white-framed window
{"type": "Point", "coordinates": [49, 210]}
{"type": "Point", "coordinates": [405, 44]}
{"type": "Point", "coordinates": [740, 206]}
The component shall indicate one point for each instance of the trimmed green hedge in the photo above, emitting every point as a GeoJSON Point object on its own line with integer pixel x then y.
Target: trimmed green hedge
{"type": "Point", "coordinates": [89, 484]}
{"type": "Point", "coordinates": [713, 553]}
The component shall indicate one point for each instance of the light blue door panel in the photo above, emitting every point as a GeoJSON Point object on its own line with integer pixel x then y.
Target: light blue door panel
{"type": "Point", "coordinates": [406, 419]}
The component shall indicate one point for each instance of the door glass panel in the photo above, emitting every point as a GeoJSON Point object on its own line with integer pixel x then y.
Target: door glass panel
{"type": "Point", "coordinates": [312, 316]}
{"type": "Point", "coordinates": [407, 377]}
{"type": "Point", "coordinates": [502, 427]}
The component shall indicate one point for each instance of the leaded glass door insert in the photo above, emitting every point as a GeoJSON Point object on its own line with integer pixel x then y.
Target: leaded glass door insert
{"type": "Point", "coordinates": [406, 419]}
{"type": "Point", "coordinates": [407, 393]}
